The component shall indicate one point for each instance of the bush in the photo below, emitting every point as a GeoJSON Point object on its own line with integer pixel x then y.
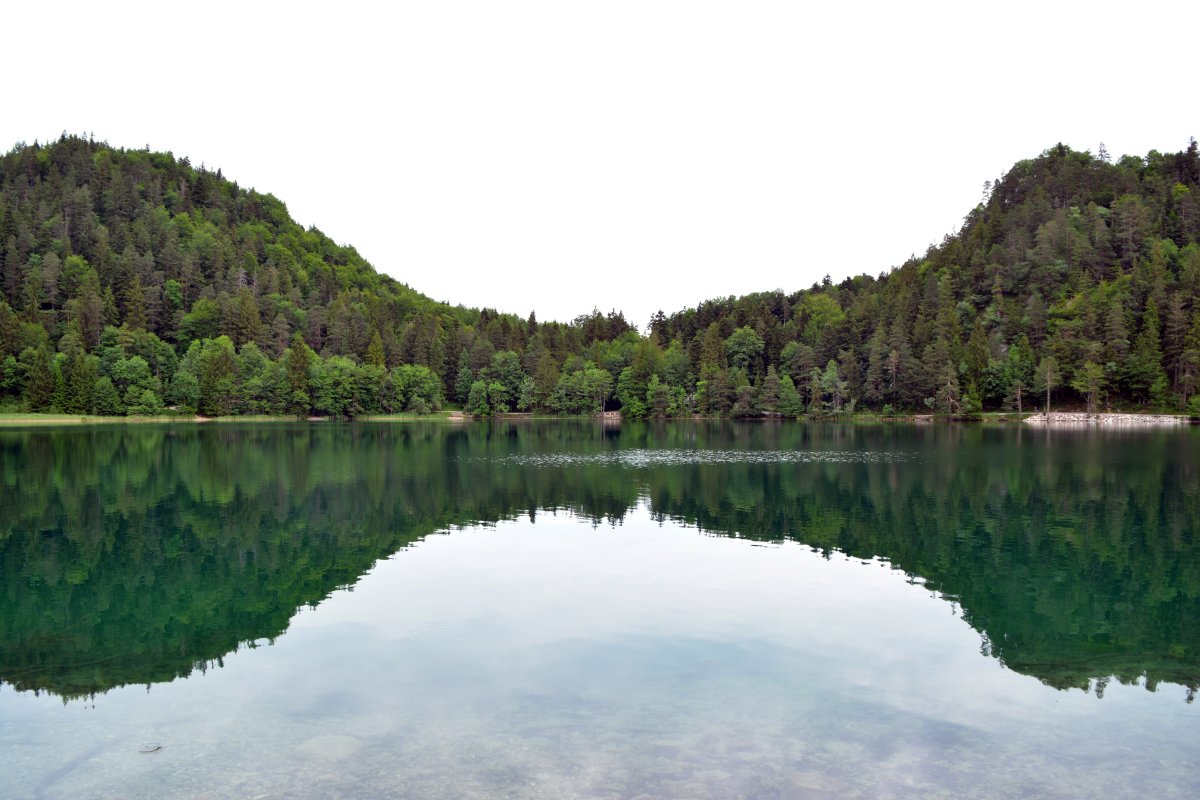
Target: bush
{"type": "Point", "coordinates": [144, 402]}
{"type": "Point", "coordinates": [105, 401]}
{"type": "Point", "coordinates": [477, 400]}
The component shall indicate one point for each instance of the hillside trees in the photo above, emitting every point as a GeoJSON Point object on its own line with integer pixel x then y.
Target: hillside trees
{"type": "Point", "coordinates": [171, 285]}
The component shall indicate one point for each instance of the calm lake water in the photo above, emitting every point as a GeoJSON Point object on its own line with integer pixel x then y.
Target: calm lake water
{"type": "Point", "coordinates": [568, 610]}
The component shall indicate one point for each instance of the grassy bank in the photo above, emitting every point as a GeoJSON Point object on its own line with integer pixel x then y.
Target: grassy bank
{"type": "Point", "coordinates": [17, 420]}
{"type": "Point", "coordinates": [22, 419]}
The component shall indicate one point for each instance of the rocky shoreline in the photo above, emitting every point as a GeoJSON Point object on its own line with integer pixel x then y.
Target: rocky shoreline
{"type": "Point", "coordinates": [1108, 419]}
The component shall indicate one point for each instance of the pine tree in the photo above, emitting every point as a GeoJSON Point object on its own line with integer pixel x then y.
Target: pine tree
{"type": "Point", "coordinates": [947, 396]}
{"type": "Point", "coordinates": [299, 376]}
{"type": "Point", "coordinates": [243, 323]}
{"type": "Point", "coordinates": [877, 357]}
{"type": "Point", "coordinates": [86, 311]}
{"type": "Point", "coordinates": [900, 366]}
{"type": "Point", "coordinates": [816, 395]}
{"type": "Point", "coordinates": [743, 405]}
{"type": "Point", "coordinates": [81, 371]}
{"type": "Point", "coordinates": [135, 304]}
{"type": "Point", "coordinates": [790, 402]}
{"type": "Point", "coordinates": [465, 377]}
{"type": "Point", "coordinates": [375, 356]}
{"type": "Point", "coordinates": [768, 393]}
{"type": "Point", "coordinates": [1189, 369]}
{"type": "Point", "coordinates": [40, 379]}
{"type": "Point", "coordinates": [1019, 371]}
{"type": "Point", "coordinates": [977, 354]}
{"type": "Point", "coordinates": [1174, 334]}
{"type": "Point", "coordinates": [658, 397]}
{"type": "Point", "coordinates": [1145, 359]}
{"type": "Point", "coordinates": [280, 334]}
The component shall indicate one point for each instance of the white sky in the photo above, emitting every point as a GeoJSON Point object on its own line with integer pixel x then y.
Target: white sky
{"type": "Point", "coordinates": [558, 155]}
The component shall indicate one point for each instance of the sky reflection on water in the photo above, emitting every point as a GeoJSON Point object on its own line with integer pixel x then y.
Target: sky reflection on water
{"type": "Point", "coordinates": [765, 626]}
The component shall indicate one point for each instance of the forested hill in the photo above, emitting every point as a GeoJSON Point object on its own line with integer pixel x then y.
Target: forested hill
{"type": "Point", "coordinates": [132, 281]}
{"type": "Point", "coordinates": [1074, 271]}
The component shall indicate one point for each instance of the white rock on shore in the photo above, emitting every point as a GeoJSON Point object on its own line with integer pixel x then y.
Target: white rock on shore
{"type": "Point", "coordinates": [1122, 420]}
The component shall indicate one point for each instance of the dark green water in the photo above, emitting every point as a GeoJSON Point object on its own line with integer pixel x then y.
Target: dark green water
{"type": "Point", "coordinates": [561, 609]}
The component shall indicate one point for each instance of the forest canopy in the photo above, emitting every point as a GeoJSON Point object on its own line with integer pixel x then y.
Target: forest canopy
{"type": "Point", "coordinates": [133, 282]}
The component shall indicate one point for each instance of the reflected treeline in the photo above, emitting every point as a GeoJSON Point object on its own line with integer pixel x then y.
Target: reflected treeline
{"type": "Point", "coordinates": [136, 555]}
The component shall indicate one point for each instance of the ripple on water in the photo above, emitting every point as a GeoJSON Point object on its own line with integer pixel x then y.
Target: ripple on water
{"type": "Point", "coordinates": [680, 457]}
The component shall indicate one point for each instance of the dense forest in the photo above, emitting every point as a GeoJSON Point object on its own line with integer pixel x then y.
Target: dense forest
{"type": "Point", "coordinates": [134, 282]}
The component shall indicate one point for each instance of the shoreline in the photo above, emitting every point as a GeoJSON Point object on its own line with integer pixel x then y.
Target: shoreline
{"type": "Point", "coordinates": [1073, 419]}
{"type": "Point", "coordinates": [1057, 419]}
{"type": "Point", "coordinates": [43, 420]}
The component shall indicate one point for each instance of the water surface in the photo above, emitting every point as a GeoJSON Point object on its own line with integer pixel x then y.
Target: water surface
{"type": "Point", "coordinates": [563, 609]}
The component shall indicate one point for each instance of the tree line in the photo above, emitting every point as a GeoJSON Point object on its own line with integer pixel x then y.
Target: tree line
{"type": "Point", "coordinates": [133, 281]}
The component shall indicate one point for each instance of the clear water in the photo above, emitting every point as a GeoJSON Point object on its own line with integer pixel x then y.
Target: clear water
{"type": "Point", "coordinates": [566, 610]}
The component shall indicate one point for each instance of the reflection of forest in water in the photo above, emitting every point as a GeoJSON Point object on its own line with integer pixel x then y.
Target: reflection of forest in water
{"type": "Point", "coordinates": [137, 554]}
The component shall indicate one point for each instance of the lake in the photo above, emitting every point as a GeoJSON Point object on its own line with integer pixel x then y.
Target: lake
{"type": "Point", "coordinates": [567, 609]}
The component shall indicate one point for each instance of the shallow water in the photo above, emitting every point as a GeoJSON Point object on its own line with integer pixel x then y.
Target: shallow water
{"type": "Point", "coordinates": [568, 610]}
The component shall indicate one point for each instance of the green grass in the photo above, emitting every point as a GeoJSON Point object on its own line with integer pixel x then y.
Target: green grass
{"type": "Point", "coordinates": [20, 419]}
{"type": "Point", "coordinates": [25, 418]}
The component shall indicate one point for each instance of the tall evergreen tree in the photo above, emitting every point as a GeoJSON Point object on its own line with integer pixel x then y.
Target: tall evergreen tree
{"type": "Point", "coordinates": [299, 376]}
{"type": "Point", "coordinates": [1145, 367]}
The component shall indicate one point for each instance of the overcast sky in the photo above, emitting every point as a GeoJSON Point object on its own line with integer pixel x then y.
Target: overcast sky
{"type": "Point", "coordinates": [560, 156]}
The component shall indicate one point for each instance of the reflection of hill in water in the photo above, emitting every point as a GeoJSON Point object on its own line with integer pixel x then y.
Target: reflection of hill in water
{"type": "Point", "coordinates": [135, 555]}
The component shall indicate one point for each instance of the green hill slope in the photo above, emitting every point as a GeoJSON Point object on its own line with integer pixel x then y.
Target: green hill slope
{"type": "Point", "coordinates": [1086, 268]}
{"type": "Point", "coordinates": [132, 280]}
{"type": "Point", "coordinates": [178, 286]}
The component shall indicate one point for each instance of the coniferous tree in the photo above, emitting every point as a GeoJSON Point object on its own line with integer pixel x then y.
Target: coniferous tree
{"type": "Point", "coordinates": [135, 304]}
{"type": "Point", "coordinates": [465, 377]}
{"type": "Point", "coordinates": [744, 402]}
{"type": "Point", "coordinates": [658, 398]}
{"type": "Point", "coordinates": [1018, 372]}
{"type": "Point", "coordinates": [1145, 371]}
{"type": "Point", "coordinates": [790, 402]}
{"type": "Point", "coordinates": [375, 354]}
{"type": "Point", "coordinates": [40, 378]}
{"type": "Point", "coordinates": [769, 392]}
{"type": "Point", "coordinates": [299, 378]}
{"type": "Point", "coordinates": [948, 397]}
{"type": "Point", "coordinates": [875, 379]}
